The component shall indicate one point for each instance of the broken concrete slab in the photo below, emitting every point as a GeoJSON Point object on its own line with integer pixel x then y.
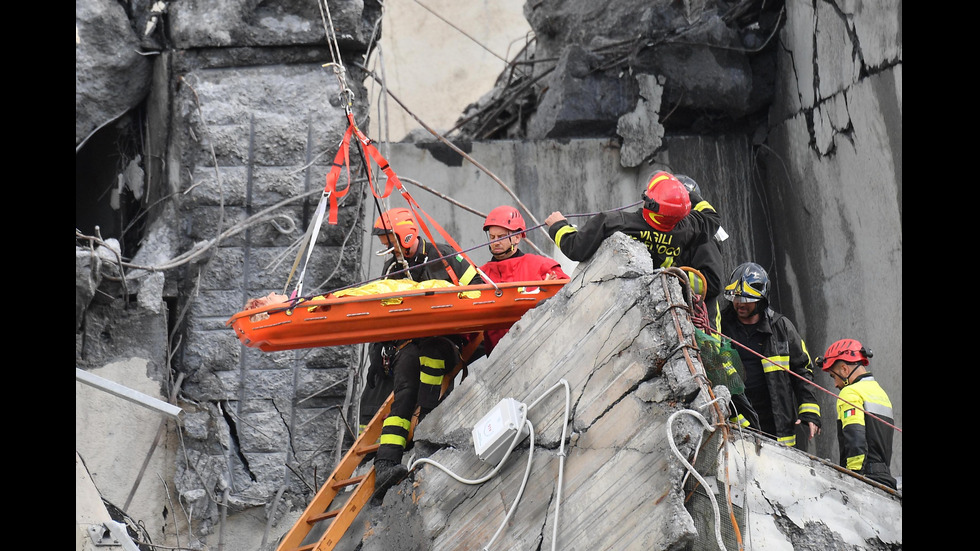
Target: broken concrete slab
{"type": "Point", "coordinates": [612, 354]}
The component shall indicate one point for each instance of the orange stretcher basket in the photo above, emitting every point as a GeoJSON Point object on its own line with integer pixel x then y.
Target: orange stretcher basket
{"type": "Point", "coordinates": [334, 321]}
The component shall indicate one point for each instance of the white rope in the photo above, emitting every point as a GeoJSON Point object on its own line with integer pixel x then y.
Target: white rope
{"type": "Point", "coordinates": [690, 468]}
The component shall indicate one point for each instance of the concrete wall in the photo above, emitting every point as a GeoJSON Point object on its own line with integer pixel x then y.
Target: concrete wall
{"type": "Point", "coordinates": [835, 187]}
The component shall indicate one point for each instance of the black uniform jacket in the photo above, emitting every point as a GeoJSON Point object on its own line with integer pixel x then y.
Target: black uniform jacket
{"type": "Point", "coordinates": [689, 243]}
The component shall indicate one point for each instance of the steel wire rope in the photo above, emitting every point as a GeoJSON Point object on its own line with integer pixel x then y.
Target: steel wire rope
{"type": "Point", "coordinates": [459, 151]}
{"type": "Point", "coordinates": [461, 31]}
{"type": "Point", "coordinates": [387, 275]}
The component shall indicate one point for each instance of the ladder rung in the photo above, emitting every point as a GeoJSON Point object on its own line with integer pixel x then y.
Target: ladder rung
{"type": "Point", "coordinates": [344, 483]}
{"type": "Point", "coordinates": [313, 519]}
{"type": "Point", "coordinates": [360, 495]}
{"type": "Point", "coordinates": [364, 450]}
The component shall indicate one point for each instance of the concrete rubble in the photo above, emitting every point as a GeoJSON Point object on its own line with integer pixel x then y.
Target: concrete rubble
{"type": "Point", "coordinates": [619, 335]}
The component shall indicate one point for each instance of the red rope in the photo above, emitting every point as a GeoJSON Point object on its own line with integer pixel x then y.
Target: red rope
{"type": "Point", "coordinates": [804, 379]}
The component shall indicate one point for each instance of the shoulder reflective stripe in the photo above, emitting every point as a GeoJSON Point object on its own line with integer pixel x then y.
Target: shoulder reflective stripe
{"type": "Point", "coordinates": [855, 463]}
{"type": "Point", "coordinates": [788, 440]}
{"type": "Point", "coordinates": [810, 408]}
{"type": "Point", "coordinates": [880, 410]}
{"type": "Point", "coordinates": [776, 363]}
{"type": "Point", "coordinates": [395, 421]}
{"type": "Point", "coordinates": [564, 231]}
{"type": "Point", "coordinates": [703, 205]}
{"type": "Point", "coordinates": [468, 275]}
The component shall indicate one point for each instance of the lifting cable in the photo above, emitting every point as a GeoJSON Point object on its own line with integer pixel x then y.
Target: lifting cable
{"type": "Point", "coordinates": [330, 193]}
{"type": "Point", "coordinates": [442, 258]}
{"type": "Point", "coordinates": [459, 151]}
{"type": "Point", "coordinates": [342, 161]}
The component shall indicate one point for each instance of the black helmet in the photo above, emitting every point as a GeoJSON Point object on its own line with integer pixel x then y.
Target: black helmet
{"type": "Point", "coordinates": [689, 183]}
{"type": "Point", "coordinates": [750, 282]}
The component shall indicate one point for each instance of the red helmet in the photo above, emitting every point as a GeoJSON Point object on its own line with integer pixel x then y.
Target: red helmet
{"type": "Point", "coordinates": [506, 217]}
{"type": "Point", "coordinates": [848, 350]}
{"type": "Point", "coordinates": [401, 222]}
{"type": "Point", "coordinates": [665, 202]}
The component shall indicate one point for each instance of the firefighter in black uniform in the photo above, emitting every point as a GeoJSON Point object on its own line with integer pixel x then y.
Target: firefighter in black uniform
{"type": "Point", "coordinates": [865, 447]}
{"type": "Point", "coordinates": [677, 226]}
{"type": "Point", "coordinates": [414, 367]}
{"type": "Point", "coordinates": [782, 401]}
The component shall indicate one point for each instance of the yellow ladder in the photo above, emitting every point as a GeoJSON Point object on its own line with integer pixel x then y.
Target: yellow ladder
{"type": "Point", "coordinates": [301, 537]}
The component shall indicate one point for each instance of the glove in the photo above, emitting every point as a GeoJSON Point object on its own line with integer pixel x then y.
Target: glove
{"type": "Point", "coordinates": [695, 197]}
{"type": "Point", "coordinates": [809, 417]}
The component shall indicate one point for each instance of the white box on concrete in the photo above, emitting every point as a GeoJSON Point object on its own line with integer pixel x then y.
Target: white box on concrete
{"type": "Point", "coordinates": [493, 434]}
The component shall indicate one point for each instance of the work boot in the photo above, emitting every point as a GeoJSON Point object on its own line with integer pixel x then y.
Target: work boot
{"type": "Point", "coordinates": [387, 473]}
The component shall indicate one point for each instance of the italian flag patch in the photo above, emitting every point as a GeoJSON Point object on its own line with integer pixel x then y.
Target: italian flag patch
{"type": "Point", "coordinates": [849, 412]}
{"type": "Point", "coordinates": [459, 258]}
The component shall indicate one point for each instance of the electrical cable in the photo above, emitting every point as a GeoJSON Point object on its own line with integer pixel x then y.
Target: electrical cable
{"type": "Point", "coordinates": [517, 437]}
{"type": "Point", "coordinates": [484, 478]}
{"type": "Point", "coordinates": [690, 468]}
{"type": "Point", "coordinates": [561, 450]}
{"type": "Point", "coordinates": [520, 491]}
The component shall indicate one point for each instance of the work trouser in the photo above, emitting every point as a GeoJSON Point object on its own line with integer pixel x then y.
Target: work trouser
{"type": "Point", "coordinates": [418, 369]}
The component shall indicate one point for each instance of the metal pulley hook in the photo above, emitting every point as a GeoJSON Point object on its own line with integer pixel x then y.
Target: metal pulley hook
{"type": "Point", "coordinates": [346, 94]}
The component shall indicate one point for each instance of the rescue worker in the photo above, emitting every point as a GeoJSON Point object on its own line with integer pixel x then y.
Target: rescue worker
{"type": "Point", "coordinates": [782, 401]}
{"type": "Point", "coordinates": [505, 229]}
{"type": "Point", "coordinates": [674, 232]}
{"type": "Point", "coordinates": [416, 366]}
{"type": "Point", "coordinates": [865, 447]}
{"type": "Point", "coordinates": [718, 237]}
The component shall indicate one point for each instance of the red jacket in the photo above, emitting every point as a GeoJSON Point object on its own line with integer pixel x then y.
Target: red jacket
{"type": "Point", "coordinates": [520, 267]}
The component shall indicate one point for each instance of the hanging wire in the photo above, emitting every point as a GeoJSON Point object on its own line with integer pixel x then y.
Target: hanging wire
{"type": "Point", "coordinates": [347, 96]}
{"type": "Point", "coordinates": [461, 31]}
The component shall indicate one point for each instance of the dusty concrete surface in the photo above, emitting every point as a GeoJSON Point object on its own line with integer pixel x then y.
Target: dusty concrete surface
{"type": "Point", "coordinates": [614, 337]}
